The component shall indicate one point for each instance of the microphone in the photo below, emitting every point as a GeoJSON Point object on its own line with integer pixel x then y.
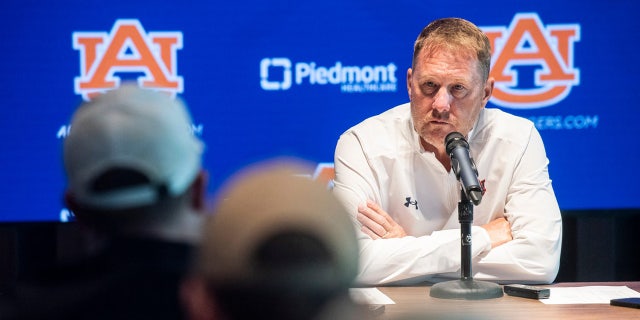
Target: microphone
{"type": "Point", "coordinates": [470, 194]}
{"type": "Point", "coordinates": [463, 166]}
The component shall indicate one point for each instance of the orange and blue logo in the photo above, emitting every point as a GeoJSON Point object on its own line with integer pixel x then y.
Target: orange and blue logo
{"type": "Point", "coordinates": [325, 173]}
{"type": "Point", "coordinates": [127, 49]}
{"type": "Point", "coordinates": [527, 43]}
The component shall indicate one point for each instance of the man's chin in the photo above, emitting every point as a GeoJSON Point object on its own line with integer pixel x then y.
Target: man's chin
{"type": "Point", "coordinates": [433, 143]}
{"type": "Point", "coordinates": [436, 137]}
{"type": "Point", "coordinates": [432, 136]}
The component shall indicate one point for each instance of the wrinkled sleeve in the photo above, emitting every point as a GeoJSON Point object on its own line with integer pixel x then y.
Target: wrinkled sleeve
{"type": "Point", "coordinates": [533, 212]}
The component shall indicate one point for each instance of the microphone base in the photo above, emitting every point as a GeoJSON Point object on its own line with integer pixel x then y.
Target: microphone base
{"type": "Point", "coordinates": [466, 289]}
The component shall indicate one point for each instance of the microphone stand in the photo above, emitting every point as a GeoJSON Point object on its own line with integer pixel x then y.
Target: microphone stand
{"type": "Point", "coordinates": [466, 287]}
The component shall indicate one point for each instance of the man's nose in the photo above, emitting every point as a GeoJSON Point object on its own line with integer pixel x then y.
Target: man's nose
{"type": "Point", "coordinates": [442, 101]}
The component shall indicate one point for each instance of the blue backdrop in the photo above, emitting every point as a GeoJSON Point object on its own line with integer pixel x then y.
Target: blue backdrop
{"type": "Point", "coordinates": [271, 78]}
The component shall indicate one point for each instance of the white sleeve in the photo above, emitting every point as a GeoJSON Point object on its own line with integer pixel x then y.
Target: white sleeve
{"type": "Point", "coordinates": [393, 260]}
{"type": "Point", "coordinates": [536, 224]}
{"type": "Point", "coordinates": [415, 259]}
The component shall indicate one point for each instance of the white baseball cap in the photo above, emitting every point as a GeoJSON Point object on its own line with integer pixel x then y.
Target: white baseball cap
{"type": "Point", "coordinates": [136, 129]}
{"type": "Point", "coordinates": [266, 200]}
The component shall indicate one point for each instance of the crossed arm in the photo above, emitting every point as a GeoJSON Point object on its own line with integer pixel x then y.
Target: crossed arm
{"type": "Point", "coordinates": [378, 224]}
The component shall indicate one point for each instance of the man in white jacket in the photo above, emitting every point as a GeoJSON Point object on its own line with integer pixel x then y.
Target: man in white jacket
{"type": "Point", "coordinates": [394, 175]}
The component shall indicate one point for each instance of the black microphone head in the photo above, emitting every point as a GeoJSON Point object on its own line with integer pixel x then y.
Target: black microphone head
{"type": "Point", "coordinates": [454, 139]}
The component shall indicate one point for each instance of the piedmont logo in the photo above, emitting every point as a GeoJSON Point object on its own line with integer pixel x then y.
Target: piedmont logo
{"type": "Point", "coordinates": [281, 74]}
{"type": "Point", "coordinates": [528, 45]}
{"type": "Point", "coordinates": [127, 49]}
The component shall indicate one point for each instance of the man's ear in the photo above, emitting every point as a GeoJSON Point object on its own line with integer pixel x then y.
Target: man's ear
{"type": "Point", "coordinates": [488, 90]}
{"type": "Point", "coordinates": [199, 190]}
{"type": "Point", "coordinates": [409, 83]}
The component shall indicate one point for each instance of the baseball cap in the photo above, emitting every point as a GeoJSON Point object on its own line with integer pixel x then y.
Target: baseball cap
{"type": "Point", "coordinates": [134, 129]}
{"type": "Point", "coordinates": [266, 200]}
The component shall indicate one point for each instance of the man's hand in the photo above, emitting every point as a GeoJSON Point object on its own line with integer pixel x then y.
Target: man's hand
{"type": "Point", "coordinates": [499, 231]}
{"type": "Point", "coordinates": [377, 223]}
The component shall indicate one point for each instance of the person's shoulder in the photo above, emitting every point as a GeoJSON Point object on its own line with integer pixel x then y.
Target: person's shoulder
{"type": "Point", "coordinates": [389, 132]}
{"type": "Point", "coordinates": [389, 120]}
{"type": "Point", "coordinates": [498, 115]}
{"type": "Point", "coordinates": [506, 121]}
{"type": "Point", "coordinates": [498, 124]}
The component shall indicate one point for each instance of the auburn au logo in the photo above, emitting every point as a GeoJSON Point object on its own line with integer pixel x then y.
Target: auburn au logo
{"type": "Point", "coordinates": [325, 173]}
{"type": "Point", "coordinates": [532, 64]}
{"type": "Point", "coordinates": [127, 49]}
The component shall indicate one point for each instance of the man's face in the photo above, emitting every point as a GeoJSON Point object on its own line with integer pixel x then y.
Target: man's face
{"type": "Point", "coordinates": [447, 93]}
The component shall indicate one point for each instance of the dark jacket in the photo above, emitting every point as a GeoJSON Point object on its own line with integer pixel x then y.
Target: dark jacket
{"type": "Point", "coordinates": [132, 278]}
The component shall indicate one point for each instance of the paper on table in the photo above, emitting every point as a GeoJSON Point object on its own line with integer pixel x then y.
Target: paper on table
{"type": "Point", "coordinates": [588, 294]}
{"type": "Point", "coordinates": [369, 296]}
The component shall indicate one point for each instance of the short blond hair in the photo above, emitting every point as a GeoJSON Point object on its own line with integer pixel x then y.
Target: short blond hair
{"type": "Point", "coordinates": [458, 34]}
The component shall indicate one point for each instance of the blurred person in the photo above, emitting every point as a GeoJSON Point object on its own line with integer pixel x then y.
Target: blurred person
{"type": "Point", "coordinates": [277, 246]}
{"type": "Point", "coordinates": [394, 175]}
{"type": "Point", "coordinates": [135, 180]}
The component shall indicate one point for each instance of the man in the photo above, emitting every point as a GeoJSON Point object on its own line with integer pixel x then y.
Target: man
{"type": "Point", "coordinates": [394, 174]}
{"type": "Point", "coordinates": [277, 246]}
{"type": "Point", "coordinates": [135, 180]}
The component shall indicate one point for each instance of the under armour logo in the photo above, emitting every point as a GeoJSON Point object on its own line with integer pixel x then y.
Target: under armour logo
{"type": "Point", "coordinates": [409, 202]}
